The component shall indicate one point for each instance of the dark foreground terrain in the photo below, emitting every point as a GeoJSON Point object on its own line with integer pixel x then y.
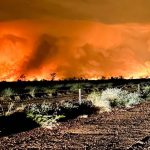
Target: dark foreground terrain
{"type": "Point", "coordinates": [116, 130]}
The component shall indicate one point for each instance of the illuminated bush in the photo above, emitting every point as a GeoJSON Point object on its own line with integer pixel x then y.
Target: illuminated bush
{"type": "Point", "coordinates": [114, 97]}
{"type": "Point", "coordinates": [39, 113]}
{"type": "Point", "coordinates": [40, 109]}
{"type": "Point", "coordinates": [95, 98]}
{"type": "Point", "coordinates": [146, 89]}
{"type": "Point", "coordinates": [132, 99]}
{"type": "Point", "coordinates": [146, 92]}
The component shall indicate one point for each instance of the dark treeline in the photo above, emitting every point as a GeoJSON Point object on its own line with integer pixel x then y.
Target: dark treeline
{"type": "Point", "coordinates": [45, 83]}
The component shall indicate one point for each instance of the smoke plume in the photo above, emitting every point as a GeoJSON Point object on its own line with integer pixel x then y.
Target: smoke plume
{"type": "Point", "coordinates": [73, 49]}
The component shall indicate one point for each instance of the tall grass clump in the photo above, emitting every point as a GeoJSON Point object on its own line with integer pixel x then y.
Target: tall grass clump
{"type": "Point", "coordinates": [10, 109]}
{"type": "Point", "coordinates": [31, 90]}
{"type": "Point", "coordinates": [7, 92]}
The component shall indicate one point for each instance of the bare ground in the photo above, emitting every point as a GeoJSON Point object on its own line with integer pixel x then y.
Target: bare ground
{"type": "Point", "coordinates": [116, 130]}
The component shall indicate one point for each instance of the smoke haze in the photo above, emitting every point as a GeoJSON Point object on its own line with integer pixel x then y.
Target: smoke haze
{"type": "Point", "coordinates": [78, 38]}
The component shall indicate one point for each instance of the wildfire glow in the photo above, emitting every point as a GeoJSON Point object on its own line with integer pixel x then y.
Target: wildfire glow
{"type": "Point", "coordinates": [73, 49]}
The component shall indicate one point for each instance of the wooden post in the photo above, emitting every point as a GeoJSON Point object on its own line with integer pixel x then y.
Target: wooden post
{"type": "Point", "coordinates": [139, 90]}
{"type": "Point", "coordinates": [80, 100]}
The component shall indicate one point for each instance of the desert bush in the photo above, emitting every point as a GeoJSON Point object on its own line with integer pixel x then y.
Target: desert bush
{"type": "Point", "coordinates": [109, 85]}
{"type": "Point", "coordinates": [39, 113]}
{"type": "Point", "coordinates": [75, 87]}
{"type": "Point", "coordinates": [31, 90]}
{"type": "Point", "coordinates": [33, 108]}
{"type": "Point", "coordinates": [132, 99]}
{"type": "Point", "coordinates": [46, 121]}
{"type": "Point", "coordinates": [69, 105]}
{"type": "Point", "coordinates": [11, 109]}
{"type": "Point", "coordinates": [20, 108]}
{"type": "Point", "coordinates": [57, 86]}
{"type": "Point", "coordinates": [7, 92]}
{"type": "Point", "coordinates": [49, 90]}
{"type": "Point", "coordinates": [95, 98]}
{"type": "Point", "coordinates": [95, 89]}
{"type": "Point", "coordinates": [114, 97]}
{"type": "Point", "coordinates": [17, 98]}
{"type": "Point", "coordinates": [43, 109]}
{"type": "Point", "coordinates": [120, 98]}
{"type": "Point", "coordinates": [146, 89]}
{"type": "Point", "coordinates": [146, 92]}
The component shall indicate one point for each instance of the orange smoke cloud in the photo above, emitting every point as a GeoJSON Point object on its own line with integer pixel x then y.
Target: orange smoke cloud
{"type": "Point", "coordinates": [73, 49]}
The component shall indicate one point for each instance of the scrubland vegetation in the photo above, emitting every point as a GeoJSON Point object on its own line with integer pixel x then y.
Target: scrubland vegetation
{"type": "Point", "coordinates": [48, 106]}
{"type": "Point", "coordinates": [104, 97]}
{"type": "Point", "coordinates": [114, 97]}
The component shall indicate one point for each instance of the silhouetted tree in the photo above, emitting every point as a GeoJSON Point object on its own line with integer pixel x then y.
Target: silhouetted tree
{"type": "Point", "coordinates": [103, 78]}
{"type": "Point", "coordinates": [35, 79]}
{"type": "Point", "coordinates": [53, 75]}
{"type": "Point", "coordinates": [121, 77]}
{"type": "Point", "coordinates": [22, 77]}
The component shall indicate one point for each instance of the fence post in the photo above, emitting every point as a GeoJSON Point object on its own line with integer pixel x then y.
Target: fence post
{"type": "Point", "coordinates": [139, 90]}
{"type": "Point", "coordinates": [80, 100]}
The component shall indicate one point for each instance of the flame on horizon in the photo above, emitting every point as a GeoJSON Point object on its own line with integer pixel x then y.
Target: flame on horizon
{"type": "Point", "coordinates": [73, 49]}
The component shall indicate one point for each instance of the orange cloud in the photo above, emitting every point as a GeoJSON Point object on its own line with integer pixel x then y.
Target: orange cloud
{"type": "Point", "coordinates": [73, 48]}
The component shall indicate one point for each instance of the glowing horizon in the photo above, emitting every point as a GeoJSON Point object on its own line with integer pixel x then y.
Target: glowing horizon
{"type": "Point", "coordinates": [89, 42]}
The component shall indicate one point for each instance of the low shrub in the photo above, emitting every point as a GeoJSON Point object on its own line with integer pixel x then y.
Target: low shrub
{"type": "Point", "coordinates": [114, 97]}
{"type": "Point", "coordinates": [146, 92]}
{"type": "Point", "coordinates": [46, 121]}
{"type": "Point", "coordinates": [7, 92]}
{"type": "Point", "coordinates": [11, 109]}
{"type": "Point", "coordinates": [31, 90]}
{"type": "Point", "coordinates": [40, 114]}
{"type": "Point", "coordinates": [95, 98]}
{"type": "Point", "coordinates": [75, 87]}
{"type": "Point", "coordinates": [132, 99]}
